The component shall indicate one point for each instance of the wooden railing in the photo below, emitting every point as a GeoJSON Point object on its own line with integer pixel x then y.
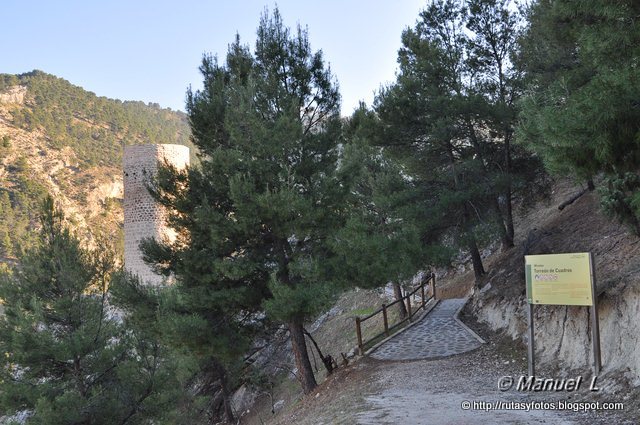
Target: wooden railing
{"type": "Point", "coordinates": [419, 293]}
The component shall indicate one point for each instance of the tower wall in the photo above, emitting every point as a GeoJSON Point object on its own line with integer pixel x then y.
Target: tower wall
{"type": "Point", "coordinates": [143, 217]}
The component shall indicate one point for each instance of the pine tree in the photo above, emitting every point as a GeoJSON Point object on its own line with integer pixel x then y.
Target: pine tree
{"type": "Point", "coordinates": [388, 237]}
{"type": "Point", "coordinates": [426, 122]}
{"type": "Point", "coordinates": [581, 111]}
{"type": "Point", "coordinates": [64, 359]}
{"type": "Point", "coordinates": [494, 27]}
{"type": "Point", "coordinates": [158, 335]}
{"type": "Point", "coordinates": [450, 117]}
{"type": "Point", "coordinates": [256, 218]}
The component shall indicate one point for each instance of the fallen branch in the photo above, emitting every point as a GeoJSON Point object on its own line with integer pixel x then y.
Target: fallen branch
{"type": "Point", "coordinates": [572, 199]}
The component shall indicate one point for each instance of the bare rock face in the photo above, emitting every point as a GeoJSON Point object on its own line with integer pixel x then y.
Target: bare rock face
{"type": "Point", "coordinates": [563, 333]}
{"type": "Point", "coordinates": [14, 95]}
{"type": "Point", "coordinates": [103, 188]}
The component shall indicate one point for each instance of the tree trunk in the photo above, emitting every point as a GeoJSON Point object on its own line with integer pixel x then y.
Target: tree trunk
{"type": "Point", "coordinates": [327, 360]}
{"type": "Point", "coordinates": [509, 218]}
{"type": "Point", "coordinates": [229, 417]}
{"type": "Point", "coordinates": [299, 346]}
{"type": "Point", "coordinates": [508, 134]}
{"type": "Point", "coordinates": [476, 259]}
{"type": "Point", "coordinates": [79, 377]}
{"type": "Point", "coordinates": [571, 200]}
{"type": "Point", "coordinates": [226, 400]}
{"type": "Point", "coordinates": [478, 268]}
{"type": "Point", "coordinates": [507, 169]}
{"type": "Point", "coordinates": [397, 292]}
{"type": "Point", "coordinates": [505, 224]}
{"type": "Point", "coordinates": [505, 238]}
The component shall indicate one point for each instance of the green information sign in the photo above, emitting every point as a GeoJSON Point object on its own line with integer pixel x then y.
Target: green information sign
{"type": "Point", "coordinates": [560, 279]}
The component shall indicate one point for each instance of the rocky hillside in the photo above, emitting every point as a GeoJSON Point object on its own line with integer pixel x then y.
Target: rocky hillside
{"type": "Point", "coordinates": [563, 333]}
{"type": "Point", "coordinates": [58, 138]}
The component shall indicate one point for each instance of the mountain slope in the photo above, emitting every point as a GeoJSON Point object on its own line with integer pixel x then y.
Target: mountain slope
{"type": "Point", "coordinates": [58, 138]}
{"type": "Point", "coordinates": [563, 333]}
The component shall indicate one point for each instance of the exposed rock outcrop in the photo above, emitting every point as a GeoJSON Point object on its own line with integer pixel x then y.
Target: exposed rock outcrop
{"type": "Point", "coordinates": [563, 333]}
{"type": "Point", "coordinates": [13, 95]}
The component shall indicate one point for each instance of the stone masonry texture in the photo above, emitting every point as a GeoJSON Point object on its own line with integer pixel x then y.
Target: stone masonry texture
{"type": "Point", "coordinates": [143, 217]}
{"type": "Point", "coordinates": [437, 335]}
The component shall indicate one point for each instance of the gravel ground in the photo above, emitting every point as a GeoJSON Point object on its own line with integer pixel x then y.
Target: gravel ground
{"type": "Point", "coordinates": [432, 392]}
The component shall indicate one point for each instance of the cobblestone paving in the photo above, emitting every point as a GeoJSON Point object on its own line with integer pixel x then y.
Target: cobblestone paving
{"type": "Point", "coordinates": [438, 334]}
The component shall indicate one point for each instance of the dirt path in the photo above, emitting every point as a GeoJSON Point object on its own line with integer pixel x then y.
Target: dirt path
{"type": "Point", "coordinates": [432, 392]}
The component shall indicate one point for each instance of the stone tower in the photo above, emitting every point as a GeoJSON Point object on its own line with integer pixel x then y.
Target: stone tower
{"type": "Point", "coordinates": [143, 217]}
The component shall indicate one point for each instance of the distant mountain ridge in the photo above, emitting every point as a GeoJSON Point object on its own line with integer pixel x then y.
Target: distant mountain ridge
{"type": "Point", "coordinates": [58, 138]}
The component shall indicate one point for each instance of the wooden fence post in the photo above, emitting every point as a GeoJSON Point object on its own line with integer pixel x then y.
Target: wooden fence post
{"type": "Point", "coordinates": [359, 334]}
{"type": "Point", "coordinates": [422, 294]}
{"type": "Point", "coordinates": [433, 285]}
{"type": "Point", "coordinates": [386, 322]}
{"type": "Point", "coordinates": [409, 307]}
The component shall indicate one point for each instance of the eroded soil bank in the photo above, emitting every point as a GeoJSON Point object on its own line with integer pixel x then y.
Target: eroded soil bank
{"type": "Point", "coordinates": [562, 333]}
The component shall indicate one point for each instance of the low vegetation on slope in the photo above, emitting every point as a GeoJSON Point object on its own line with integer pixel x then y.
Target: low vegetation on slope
{"type": "Point", "coordinates": [61, 139]}
{"type": "Point", "coordinates": [293, 205]}
{"type": "Point", "coordinates": [95, 128]}
{"type": "Point", "coordinates": [580, 227]}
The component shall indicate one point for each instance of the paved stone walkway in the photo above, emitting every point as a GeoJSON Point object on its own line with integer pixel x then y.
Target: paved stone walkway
{"type": "Point", "coordinates": [437, 334]}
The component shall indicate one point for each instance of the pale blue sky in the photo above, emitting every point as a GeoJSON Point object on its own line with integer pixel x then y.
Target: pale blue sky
{"type": "Point", "coordinates": [150, 50]}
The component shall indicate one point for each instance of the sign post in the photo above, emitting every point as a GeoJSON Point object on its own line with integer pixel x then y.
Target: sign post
{"type": "Point", "coordinates": [531, 350]}
{"type": "Point", "coordinates": [562, 279]}
{"type": "Point", "coordinates": [595, 326]}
